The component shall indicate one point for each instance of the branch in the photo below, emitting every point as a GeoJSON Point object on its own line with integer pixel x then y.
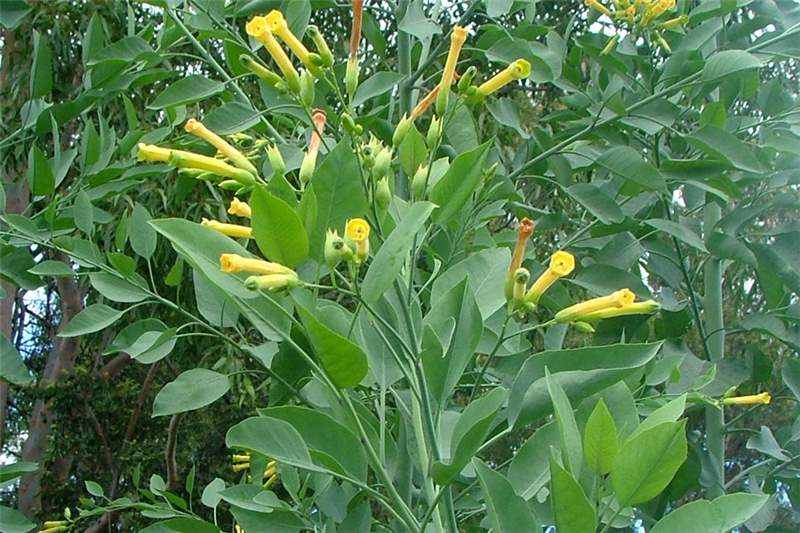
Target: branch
{"type": "Point", "coordinates": [173, 481]}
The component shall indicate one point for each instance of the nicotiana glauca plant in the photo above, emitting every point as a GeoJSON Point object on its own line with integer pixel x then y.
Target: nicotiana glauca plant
{"type": "Point", "coordinates": [430, 349]}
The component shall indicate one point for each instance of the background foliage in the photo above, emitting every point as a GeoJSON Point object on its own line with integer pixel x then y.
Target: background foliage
{"type": "Point", "coordinates": [674, 174]}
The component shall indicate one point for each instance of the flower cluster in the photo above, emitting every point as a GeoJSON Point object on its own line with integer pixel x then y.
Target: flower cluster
{"type": "Point", "coordinates": [242, 462]}
{"type": "Point", "coordinates": [353, 248]}
{"type": "Point", "coordinates": [523, 299]}
{"type": "Point", "coordinates": [649, 17]}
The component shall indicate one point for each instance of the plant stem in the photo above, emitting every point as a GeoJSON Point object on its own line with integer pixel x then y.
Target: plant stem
{"type": "Point", "coordinates": [490, 357]}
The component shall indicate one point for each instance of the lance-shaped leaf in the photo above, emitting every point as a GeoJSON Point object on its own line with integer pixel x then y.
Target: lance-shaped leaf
{"type": "Point", "coordinates": [573, 511]}
{"type": "Point", "coordinates": [600, 442]}
{"type": "Point", "coordinates": [462, 178]}
{"type": "Point", "coordinates": [508, 513]}
{"type": "Point", "coordinates": [717, 516]}
{"type": "Point", "coordinates": [277, 229]}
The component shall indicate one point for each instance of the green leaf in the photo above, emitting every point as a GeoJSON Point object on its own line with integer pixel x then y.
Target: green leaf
{"type": "Point", "coordinates": [211, 493]}
{"type": "Point", "coordinates": [181, 525]}
{"type": "Point", "coordinates": [718, 516]}
{"type": "Point", "coordinates": [508, 513]}
{"type": "Point", "coordinates": [94, 318]}
{"type": "Point", "coordinates": [83, 213]}
{"type": "Point", "coordinates": [597, 202]}
{"type": "Point", "coordinates": [42, 69]}
{"type": "Point", "coordinates": [679, 231]}
{"type": "Point", "coordinates": [142, 236]}
{"type": "Point", "coordinates": [727, 62]}
{"type": "Point", "coordinates": [581, 372]}
{"type": "Point", "coordinates": [647, 462]}
{"type": "Point", "coordinates": [572, 449]}
{"type": "Point", "coordinates": [14, 470]}
{"type": "Point", "coordinates": [339, 196]}
{"type": "Point", "coordinates": [462, 178]}
{"type": "Point", "coordinates": [230, 118]}
{"type": "Point", "coordinates": [600, 441]}
{"type": "Point", "coordinates": [628, 164]}
{"type": "Point", "coordinates": [417, 24]}
{"type": "Point", "coordinates": [125, 50]}
{"type": "Point", "coordinates": [187, 90]}
{"type": "Point", "coordinates": [12, 521]}
{"type": "Point", "coordinates": [573, 511]}
{"type": "Point", "coordinates": [530, 469]}
{"type": "Point", "coordinates": [343, 361]}
{"type": "Point", "coordinates": [669, 412]}
{"type": "Point", "coordinates": [152, 346]}
{"type": "Point", "coordinates": [720, 145]}
{"type": "Point", "coordinates": [277, 229]}
{"type": "Point", "coordinates": [12, 367]}
{"type": "Point", "coordinates": [545, 61]}
{"type": "Point", "coordinates": [485, 272]}
{"type": "Point", "coordinates": [274, 438]}
{"type": "Point", "coordinates": [13, 12]}
{"type": "Point", "coordinates": [94, 488]}
{"type": "Point", "coordinates": [391, 256]}
{"type": "Point", "coordinates": [724, 246]}
{"type": "Point", "coordinates": [471, 428]}
{"type": "Point", "coordinates": [42, 180]}
{"type": "Point", "coordinates": [766, 443]}
{"type": "Point", "coordinates": [212, 303]}
{"type": "Point", "coordinates": [191, 390]}
{"type": "Point", "coordinates": [330, 443]}
{"type": "Point", "coordinates": [116, 289]}
{"type": "Point", "coordinates": [790, 372]}
{"type": "Point", "coordinates": [375, 85]}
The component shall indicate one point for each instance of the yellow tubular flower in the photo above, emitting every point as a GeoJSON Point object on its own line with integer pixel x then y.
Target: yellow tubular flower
{"type": "Point", "coordinates": [517, 70]}
{"type": "Point", "coordinates": [197, 128]}
{"type": "Point", "coordinates": [151, 152]}
{"type": "Point", "coordinates": [272, 282]}
{"type": "Point", "coordinates": [232, 263]}
{"type": "Point", "coordinates": [598, 6]}
{"type": "Point", "coordinates": [578, 311]}
{"type": "Point", "coordinates": [258, 28]}
{"type": "Point", "coordinates": [764, 398]}
{"type": "Point", "coordinates": [231, 230]}
{"type": "Point", "coordinates": [49, 524]}
{"type": "Point", "coordinates": [277, 25]}
{"type": "Point", "coordinates": [561, 264]}
{"type": "Point", "coordinates": [183, 159]}
{"type": "Point", "coordinates": [241, 458]}
{"type": "Point", "coordinates": [637, 308]}
{"type": "Point", "coordinates": [457, 38]}
{"type": "Point", "coordinates": [238, 467]}
{"type": "Point", "coordinates": [239, 208]}
{"type": "Point", "coordinates": [675, 23]}
{"type": "Point", "coordinates": [357, 230]}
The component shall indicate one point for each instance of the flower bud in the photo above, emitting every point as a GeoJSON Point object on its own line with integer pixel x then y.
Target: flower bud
{"type": "Point", "coordinates": [322, 46]}
{"type": "Point", "coordinates": [434, 132]}
{"type": "Point", "coordinates": [401, 130]}
{"type": "Point", "coordinates": [307, 89]}
{"type": "Point", "coordinates": [336, 249]}
{"type": "Point", "coordinates": [307, 167]}
{"type": "Point", "coordinates": [419, 182]}
{"type": "Point", "coordinates": [383, 161]}
{"type": "Point", "coordinates": [521, 277]}
{"type": "Point", "coordinates": [349, 125]}
{"type": "Point", "coordinates": [583, 327]}
{"type": "Point", "coordinates": [351, 77]}
{"type": "Point", "coordinates": [383, 194]}
{"type": "Point", "coordinates": [272, 282]}
{"type": "Point", "coordinates": [276, 160]}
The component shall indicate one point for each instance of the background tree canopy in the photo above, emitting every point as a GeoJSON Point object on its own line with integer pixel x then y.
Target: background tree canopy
{"type": "Point", "coordinates": [414, 386]}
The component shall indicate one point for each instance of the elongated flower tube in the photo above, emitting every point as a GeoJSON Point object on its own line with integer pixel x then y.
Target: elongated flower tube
{"type": "Point", "coordinates": [272, 282]}
{"type": "Point", "coordinates": [576, 312]}
{"type": "Point", "coordinates": [239, 208]}
{"type": "Point", "coordinates": [561, 264]}
{"type": "Point", "coordinates": [318, 119]}
{"type": "Point", "coordinates": [278, 26]}
{"type": "Point", "coordinates": [595, 4]}
{"type": "Point", "coordinates": [646, 307]}
{"type": "Point", "coordinates": [517, 70]}
{"type": "Point", "coordinates": [231, 230]}
{"type": "Point", "coordinates": [183, 159]}
{"type": "Point", "coordinates": [233, 263]}
{"type": "Point", "coordinates": [322, 46]}
{"type": "Point", "coordinates": [357, 231]}
{"type": "Point", "coordinates": [351, 73]}
{"type": "Point", "coordinates": [238, 467]}
{"type": "Point", "coordinates": [675, 22]}
{"type": "Point", "coordinates": [258, 28]}
{"type": "Point", "coordinates": [266, 75]}
{"type": "Point", "coordinates": [197, 128]}
{"type": "Point", "coordinates": [524, 233]}
{"type": "Point", "coordinates": [457, 38]}
{"type": "Point", "coordinates": [764, 399]}
{"type": "Point", "coordinates": [425, 103]}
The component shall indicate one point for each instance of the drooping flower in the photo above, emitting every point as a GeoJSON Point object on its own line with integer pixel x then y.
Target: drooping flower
{"type": "Point", "coordinates": [278, 26]}
{"type": "Point", "coordinates": [258, 28]}
{"type": "Point", "coordinates": [764, 399]}
{"type": "Point", "coordinates": [239, 208]}
{"type": "Point", "coordinates": [183, 159]}
{"type": "Point", "coordinates": [517, 70]}
{"type": "Point", "coordinates": [357, 231]}
{"type": "Point", "coordinates": [231, 230]}
{"type": "Point", "coordinates": [197, 128]}
{"type": "Point", "coordinates": [561, 264]}
{"type": "Point", "coordinates": [578, 311]}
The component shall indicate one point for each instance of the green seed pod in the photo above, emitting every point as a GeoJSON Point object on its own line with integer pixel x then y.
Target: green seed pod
{"type": "Point", "coordinates": [307, 89]}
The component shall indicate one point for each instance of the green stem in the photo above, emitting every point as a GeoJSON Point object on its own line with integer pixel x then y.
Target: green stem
{"type": "Point", "coordinates": [490, 357]}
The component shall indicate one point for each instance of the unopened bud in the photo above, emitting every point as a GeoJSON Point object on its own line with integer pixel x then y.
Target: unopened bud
{"type": "Point", "coordinates": [307, 167]}
{"type": "Point", "coordinates": [401, 130]}
{"type": "Point", "coordinates": [383, 161]}
{"type": "Point", "coordinates": [383, 194]}
{"type": "Point", "coordinates": [351, 77]}
{"type": "Point", "coordinates": [307, 89]}
{"type": "Point", "coordinates": [465, 82]}
{"type": "Point", "coordinates": [419, 182]}
{"type": "Point", "coordinates": [434, 132]}
{"type": "Point", "coordinates": [583, 327]}
{"type": "Point", "coordinates": [276, 160]}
